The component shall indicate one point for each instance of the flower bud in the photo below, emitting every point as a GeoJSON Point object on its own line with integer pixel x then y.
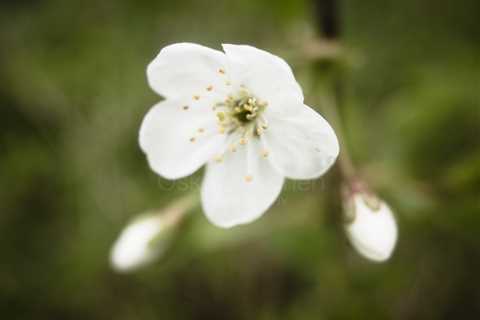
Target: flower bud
{"type": "Point", "coordinates": [147, 237]}
{"type": "Point", "coordinates": [370, 226]}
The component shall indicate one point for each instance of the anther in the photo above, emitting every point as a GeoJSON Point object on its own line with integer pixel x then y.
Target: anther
{"type": "Point", "coordinates": [210, 88]}
{"type": "Point", "coordinates": [243, 141]}
{"type": "Point", "coordinates": [221, 116]}
{"type": "Point", "coordinates": [196, 97]}
{"type": "Point", "coordinates": [233, 148]}
{"type": "Point", "coordinates": [201, 130]}
{"type": "Point", "coordinates": [265, 153]}
{"type": "Point", "coordinates": [192, 139]}
{"type": "Point", "coordinates": [222, 71]}
{"type": "Point", "coordinates": [185, 107]}
{"type": "Point", "coordinates": [219, 158]}
{"type": "Point", "coordinates": [248, 178]}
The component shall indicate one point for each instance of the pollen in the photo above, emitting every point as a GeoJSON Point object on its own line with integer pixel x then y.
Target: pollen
{"type": "Point", "coordinates": [265, 153]}
{"type": "Point", "coordinates": [196, 97]}
{"type": "Point", "coordinates": [222, 71]}
{"type": "Point", "coordinates": [233, 148]}
{"type": "Point", "coordinates": [221, 116]}
{"type": "Point", "coordinates": [210, 88]}
{"type": "Point", "coordinates": [201, 130]}
{"type": "Point", "coordinates": [192, 139]}
{"type": "Point", "coordinates": [218, 158]}
{"type": "Point", "coordinates": [240, 112]}
{"type": "Point", "coordinates": [185, 108]}
{"type": "Point", "coordinates": [248, 178]}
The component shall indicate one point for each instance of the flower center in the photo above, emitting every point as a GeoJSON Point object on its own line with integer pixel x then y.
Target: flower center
{"type": "Point", "coordinates": [245, 109]}
{"type": "Point", "coordinates": [242, 111]}
{"type": "Point", "coordinates": [240, 116]}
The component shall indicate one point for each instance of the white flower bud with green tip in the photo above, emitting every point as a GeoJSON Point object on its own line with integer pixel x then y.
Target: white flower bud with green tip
{"type": "Point", "coordinates": [240, 113]}
{"type": "Point", "coordinates": [370, 225]}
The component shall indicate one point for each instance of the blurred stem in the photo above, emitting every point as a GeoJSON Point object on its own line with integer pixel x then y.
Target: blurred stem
{"type": "Point", "coordinates": [329, 106]}
{"type": "Point", "coordinates": [329, 87]}
{"type": "Point", "coordinates": [174, 213]}
{"type": "Point", "coordinates": [327, 17]}
{"type": "Point", "coordinates": [328, 79]}
{"type": "Point", "coordinates": [173, 216]}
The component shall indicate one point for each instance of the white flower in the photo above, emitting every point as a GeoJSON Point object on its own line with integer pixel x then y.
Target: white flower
{"type": "Point", "coordinates": [242, 114]}
{"type": "Point", "coordinates": [370, 226]}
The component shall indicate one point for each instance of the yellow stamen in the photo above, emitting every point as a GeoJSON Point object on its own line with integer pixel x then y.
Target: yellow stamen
{"type": "Point", "coordinates": [221, 116]}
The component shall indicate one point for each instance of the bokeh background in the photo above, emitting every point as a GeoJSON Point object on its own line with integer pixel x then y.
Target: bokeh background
{"type": "Point", "coordinates": [72, 96]}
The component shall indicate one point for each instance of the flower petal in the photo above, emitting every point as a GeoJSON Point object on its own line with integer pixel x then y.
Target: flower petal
{"type": "Point", "coordinates": [178, 138]}
{"type": "Point", "coordinates": [187, 69]}
{"type": "Point", "coordinates": [303, 146]}
{"type": "Point", "coordinates": [241, 188]}
{"type": "Point", "coordinates": [267, 76]}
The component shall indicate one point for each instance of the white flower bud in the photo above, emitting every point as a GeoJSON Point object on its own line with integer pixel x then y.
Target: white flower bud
{"type": "Point", "coordinates": [134, 247]}
{"type": "Point", "coordinates": [370, 226]}
{"type": "Point", "coordinates": [147, 237]}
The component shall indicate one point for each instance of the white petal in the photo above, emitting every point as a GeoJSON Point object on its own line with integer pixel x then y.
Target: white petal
{"type": "Point", "coordinates": [187, 69]}
{"type": "Point", "coordinates": [179, 137]}
{"type": "Point", "coordinates": [372, 233]}
{"type": "Point", "coordinates": [240, 188]}
{"type": "Point", "coordinates": [303, 146]}
{"type": "Point", "coordinates": [267, 76]}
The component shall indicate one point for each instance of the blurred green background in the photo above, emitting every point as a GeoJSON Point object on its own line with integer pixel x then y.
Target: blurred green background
{"type": "Point", "coordinates": [73, 93]}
